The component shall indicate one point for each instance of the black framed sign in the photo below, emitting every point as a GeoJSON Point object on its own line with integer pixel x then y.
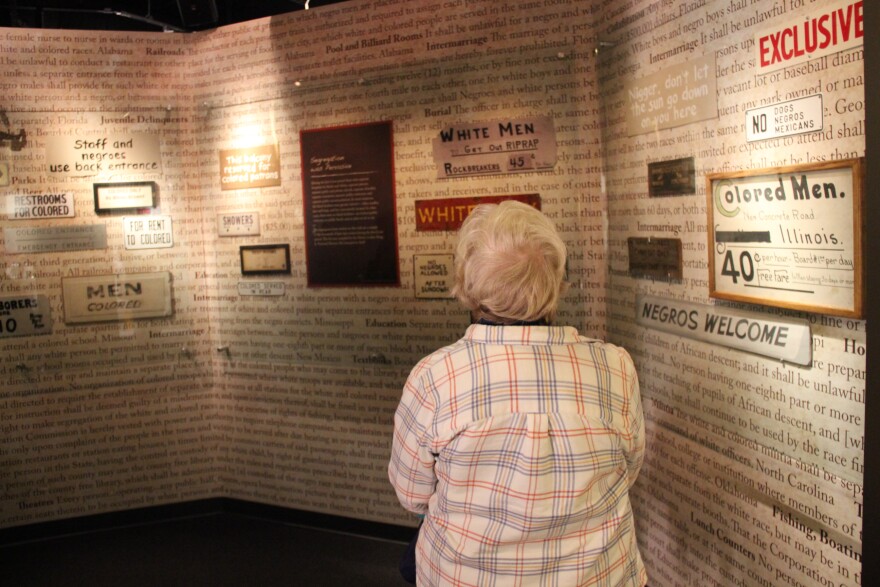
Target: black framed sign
{"type": "Point", "coordinates": [132, 195]}
{"type": "Point", "coordinates": [265, 259]}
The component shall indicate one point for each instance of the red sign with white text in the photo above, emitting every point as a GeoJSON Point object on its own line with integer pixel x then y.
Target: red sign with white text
{"type": "Point", "coordinates": [798, 40]}
{"type": "Point", "coordinates": [449, 213]}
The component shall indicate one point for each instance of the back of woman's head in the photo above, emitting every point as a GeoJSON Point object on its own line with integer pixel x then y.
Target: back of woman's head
{"type": "Point", "coordinates": [509, 263]}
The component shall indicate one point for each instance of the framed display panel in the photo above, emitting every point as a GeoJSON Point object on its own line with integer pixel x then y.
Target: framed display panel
{"type": "Point", "coordinates": [133, 195]}
{"type": "Point", "coordinates": [265, 259]}
{"type": "Point", "coordinates": [789, 237]}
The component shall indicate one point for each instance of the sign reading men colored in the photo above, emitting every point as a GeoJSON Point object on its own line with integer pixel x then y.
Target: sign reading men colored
{"type": "Point", "coordinates": [496, 147]}
{"type": "Point", "coordinates": [127, 296]}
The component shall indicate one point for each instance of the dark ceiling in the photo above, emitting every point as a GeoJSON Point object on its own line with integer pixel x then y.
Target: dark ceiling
{"type": "Point", "coordinates": [142, 15]}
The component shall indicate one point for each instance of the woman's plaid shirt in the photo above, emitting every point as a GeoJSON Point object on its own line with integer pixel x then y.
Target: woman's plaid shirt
{"type": "Point", "coordinates": [520, 444]}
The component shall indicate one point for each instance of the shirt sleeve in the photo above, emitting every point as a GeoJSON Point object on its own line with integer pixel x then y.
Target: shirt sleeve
{"type": "Point", "coordinates": [411, 469]}
{"type": "Point", "coordinates": [634, 418]}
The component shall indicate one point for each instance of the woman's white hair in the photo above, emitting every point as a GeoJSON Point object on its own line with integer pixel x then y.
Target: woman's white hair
{"type": "Point", "coordinates": [509, 264]}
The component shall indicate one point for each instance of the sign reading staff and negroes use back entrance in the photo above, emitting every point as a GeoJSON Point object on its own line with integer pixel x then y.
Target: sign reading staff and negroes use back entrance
{"type": "Point", "coordinates": [789, 237]}
{"type": "Point", "coordinates": [125, 296]}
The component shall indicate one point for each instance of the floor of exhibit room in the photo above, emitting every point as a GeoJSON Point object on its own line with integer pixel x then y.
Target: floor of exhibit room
{"type": "Point", "coordinates": [215, 550]}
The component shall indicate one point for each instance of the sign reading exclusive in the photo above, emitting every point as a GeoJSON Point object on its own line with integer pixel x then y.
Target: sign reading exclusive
{"type": "Point", "coordinates": [797, 41]}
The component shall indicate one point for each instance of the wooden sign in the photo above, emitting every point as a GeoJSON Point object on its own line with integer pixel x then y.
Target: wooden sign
{"type": "Point", "coordinates": [789, 237]}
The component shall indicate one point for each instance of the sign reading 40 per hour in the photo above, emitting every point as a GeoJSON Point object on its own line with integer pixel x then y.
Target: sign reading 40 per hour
{"type": "Point", "coordinates": [788, 237]}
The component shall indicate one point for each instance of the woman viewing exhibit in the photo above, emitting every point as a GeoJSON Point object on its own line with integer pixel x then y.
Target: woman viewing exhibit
{"type": "Point", "coordinates": [519, 442]}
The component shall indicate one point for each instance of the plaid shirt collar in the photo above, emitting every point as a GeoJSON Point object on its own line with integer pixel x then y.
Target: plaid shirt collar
{"type": "Point", "coordinates": [531, 335]}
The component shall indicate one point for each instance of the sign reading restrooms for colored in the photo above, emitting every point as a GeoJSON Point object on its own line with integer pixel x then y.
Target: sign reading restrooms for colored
{"type": "Point", "coordinates": [496, 147]}
{"type": "Point", "coordinates": [449, 213]}
{"type": "Point", "coordinates": [801, 39]}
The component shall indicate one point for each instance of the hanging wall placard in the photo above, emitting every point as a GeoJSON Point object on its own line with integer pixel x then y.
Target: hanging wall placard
{"type": "Point", "coordinates": [789, 237]}
{"type": "Point", "coordinates": [253, 167]}
{"type": "Point", "coordinates": [495, 147]}
{"type": "Point", "coordinates": [349, 205]}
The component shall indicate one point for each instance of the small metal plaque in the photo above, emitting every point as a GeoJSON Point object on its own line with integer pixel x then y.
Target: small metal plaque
{"type": "Point", "coordinates": [657, 258]}
{"type": "Point", "coordinates": [148, 232]}
{"type": "Point", "coordinates": [675, 177]}
{"type": "Point", "coordinates": [25, 316]}
{"type": "Point", "coordinates": [261, 288]}
{"type": "Point", "coordinates": [50, 239]}
{"type": "Point", "coordinates": [36, 206]}
{"type": "Point", "coordinates": [127, 296]}
{"type": "Point", "coordinates": [238, 224]}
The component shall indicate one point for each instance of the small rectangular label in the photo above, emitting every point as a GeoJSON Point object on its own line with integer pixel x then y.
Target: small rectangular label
{"type": "Point", "coordinates": [49, 239]}
{"type": "Point", "coordinates": [25, 316]}
{"type": "Point", "coordinates": [261, 288]}
{"type": "Point", "coordinates": [126, 296]}
{"type": "Point", "coordinates": [672, 178]}
{"type": "Point", "coordinates": [786, 118]}
{"type": "Point", "coordinates": [148, 232]}
{"type": "Point", "coordinates": [238, 224]}
{"type": "Point", "coordinates": [657, 258]}
{"type": "Point", "coordinates": [35, 206]}
{"type": "Point", "coordinates": [433, 275]}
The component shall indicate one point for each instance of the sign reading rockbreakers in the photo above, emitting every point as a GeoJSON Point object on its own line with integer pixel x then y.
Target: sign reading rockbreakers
{"type": "Point", "coordinates": [496, 147]}
{"type": "Point", "coordinates": [25, 316]}
{"type": "Point", "coordinates": [33, 206]}
{"type": "Point", "coordinates": [127, 296]}
{"type": "Point", "coordinates": [148, 232]}
{"type": "Point", "coordinates": [786, 339]}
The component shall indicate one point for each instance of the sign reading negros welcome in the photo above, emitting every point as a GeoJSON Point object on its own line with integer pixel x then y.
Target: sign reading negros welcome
{"type": "Point", "coordinates": [778, 338]}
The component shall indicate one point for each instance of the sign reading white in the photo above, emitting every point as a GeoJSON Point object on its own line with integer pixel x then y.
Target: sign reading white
{"type": "Point", "coordinates": [261, 288]}
{"type": "Point", "coordinates": [127, 296]}
{"type": "Point", "coordinates": [49, 239]}
{"type": "Point", "coordinates": [148, 232]}
{"type": "Point", "coordinates": [496, 147]}
{"type": "Point", "coordinates": [125, 154]}
{"type": "Point", "coordinates": [25, 316]}
{"type": "Point", "coordinates": [786, 118]}
{"type": "Point", "coordinates": [238, 224]}
{"type": "Point", "coordinates": [433, 275]}
{"type": "Point", "coordinates": [673, 96]}
{"type": "Point", "coordinates": [32, 206]}
{"type": "Point", "coordinates": [810, 36]}
{"type": "Point", "coordinates": [786, 339]}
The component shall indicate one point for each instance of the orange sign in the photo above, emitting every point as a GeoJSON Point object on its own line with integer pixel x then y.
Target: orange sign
{"type": "Point", "coordinates": [449, 213]}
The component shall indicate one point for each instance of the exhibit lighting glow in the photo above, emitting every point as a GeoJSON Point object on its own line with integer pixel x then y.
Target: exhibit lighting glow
{"type": "Point", "coordinates": [249, 135]}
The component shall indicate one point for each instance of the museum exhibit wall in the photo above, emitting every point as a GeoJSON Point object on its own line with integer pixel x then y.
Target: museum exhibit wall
{"type": "Point", "coordinates": [267, 388]}
{"type": "Point", "coordinates": [754, 474]}
{"type": "Point", "coordinates": [259, 387]}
